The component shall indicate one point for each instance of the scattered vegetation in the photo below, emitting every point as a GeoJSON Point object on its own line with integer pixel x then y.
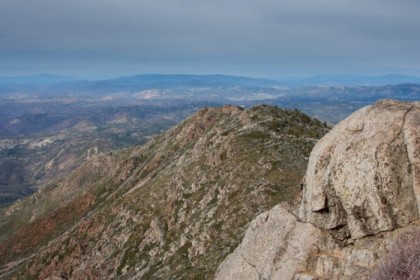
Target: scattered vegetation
{"type": "Point", "coordinates": [177, 206]}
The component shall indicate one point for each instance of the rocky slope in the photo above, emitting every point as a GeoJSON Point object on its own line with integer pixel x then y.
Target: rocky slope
{"type": "Point", "coordinates": [362, 191]}
{"type": "Point", "coordinates": [45, 139]}
{"type": "Point", "coordinates": [171, 209]}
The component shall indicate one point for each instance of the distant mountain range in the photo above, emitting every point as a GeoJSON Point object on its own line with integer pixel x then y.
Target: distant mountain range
{"type": "Point", "coordinates": [139, 82]}
{"type": "Point", "coordinates": [351, 80]}
{"type": "Point", "coordinates": [192, 80]}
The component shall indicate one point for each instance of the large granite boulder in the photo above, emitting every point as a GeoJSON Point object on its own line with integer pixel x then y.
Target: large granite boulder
{"type": "Point", "coordinates": [362, 191]}
{"type": "Point", "coordinates": [365, 173]}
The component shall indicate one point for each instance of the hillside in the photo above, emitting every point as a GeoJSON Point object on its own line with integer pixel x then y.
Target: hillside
{"type": "Point", "coordinates": [42, 140]}
{"type": "Point", "coordinates": [173, 208]}
{"type": "Point", "coordinates": [49, 128]}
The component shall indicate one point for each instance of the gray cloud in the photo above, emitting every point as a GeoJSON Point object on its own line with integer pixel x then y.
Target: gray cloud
{"type": "Point", "coordinates": [267, 37]}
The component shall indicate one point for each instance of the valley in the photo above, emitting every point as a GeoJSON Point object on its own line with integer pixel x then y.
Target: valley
{"type": "Point", "coordinates": [50, 125]}
{"type": "Point", "coordinates": [164, 182]}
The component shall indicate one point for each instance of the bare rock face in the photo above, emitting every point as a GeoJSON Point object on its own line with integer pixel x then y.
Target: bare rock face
{"type": "Point", "coordinates": [361, 192]}
{"type": "Point", "coordinates": [364, 174]}
{"type": "Point", "coordinates": [275, 246]}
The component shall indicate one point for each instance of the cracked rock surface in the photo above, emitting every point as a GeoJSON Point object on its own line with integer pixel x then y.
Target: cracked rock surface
{"type": "Point", "coordinates": [362, 191]}
{"type": "Point", "coordinates": [272, 245]}
{"type": "Point", "coordinates": [364, 173]}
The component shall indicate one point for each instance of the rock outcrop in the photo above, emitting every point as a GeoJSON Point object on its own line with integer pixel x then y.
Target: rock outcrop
{"type": "Point", "coordinates": [361, 192]}
{"type": "Point", "coordinates": [364, 174]}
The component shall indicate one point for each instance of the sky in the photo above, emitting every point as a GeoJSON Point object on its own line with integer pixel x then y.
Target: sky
{"type": "Point", "coordinates": [264, 38]}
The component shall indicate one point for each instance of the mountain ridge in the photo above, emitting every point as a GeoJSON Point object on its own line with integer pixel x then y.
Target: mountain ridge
{"type": "Point", "coordinates": [156, 211]}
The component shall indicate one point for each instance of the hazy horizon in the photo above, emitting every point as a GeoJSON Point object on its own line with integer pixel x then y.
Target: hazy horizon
{"type": "Point", "coordinates": [285, 78]}
{"type": "Point", "coordinates": [268, 39]}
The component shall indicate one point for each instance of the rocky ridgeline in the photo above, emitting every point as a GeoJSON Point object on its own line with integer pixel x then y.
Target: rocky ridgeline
{"type": "Point", "coordinates": [362, 191]}
{"type": "Point", "coordinates": [171, 209]}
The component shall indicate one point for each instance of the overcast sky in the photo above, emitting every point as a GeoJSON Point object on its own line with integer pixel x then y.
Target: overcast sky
{"type": "Point", "coordinates": [262, 38]}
